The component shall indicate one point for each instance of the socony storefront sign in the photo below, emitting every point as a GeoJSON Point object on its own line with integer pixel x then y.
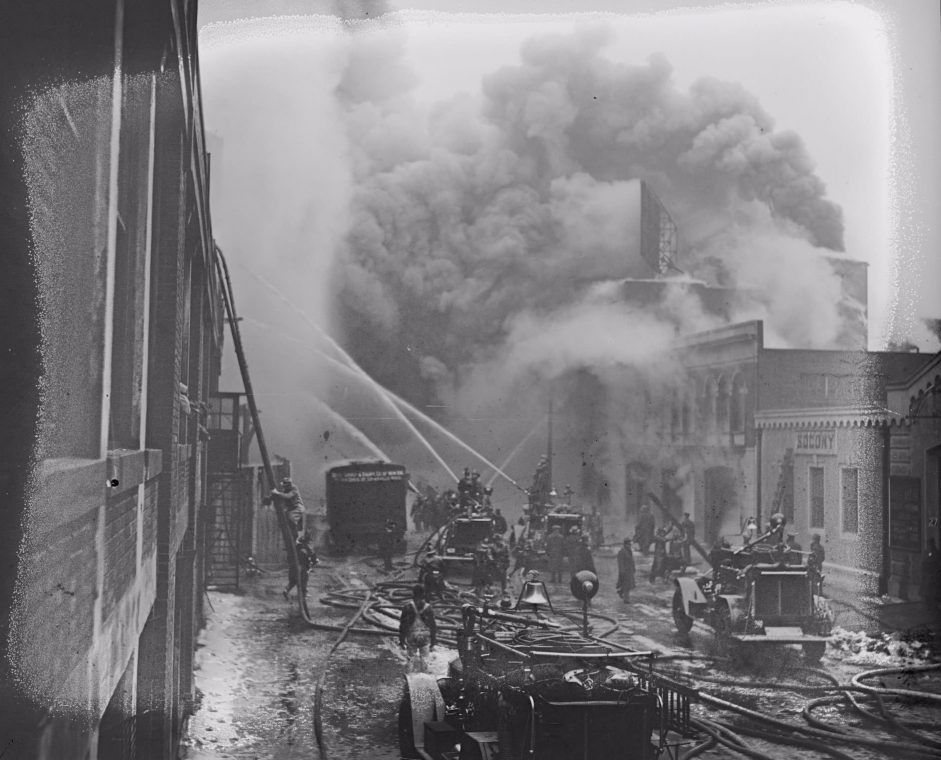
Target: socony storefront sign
{"type": "Point", "coordinates": [816, 442]}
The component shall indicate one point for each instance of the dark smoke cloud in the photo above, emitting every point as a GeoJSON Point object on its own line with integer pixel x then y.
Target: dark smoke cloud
{"type": "Point", "coordinates": [487, 221]}
{"type": "Point", "coordinates": [472, 250]}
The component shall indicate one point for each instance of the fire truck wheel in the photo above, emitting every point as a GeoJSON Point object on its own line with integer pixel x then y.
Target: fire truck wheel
{"type": "Point", "coordinates": [406, 732]}
{"type": "Point", "coordinates": [813, 651]}
{"type": "Point", "coordinates": [684, 622]}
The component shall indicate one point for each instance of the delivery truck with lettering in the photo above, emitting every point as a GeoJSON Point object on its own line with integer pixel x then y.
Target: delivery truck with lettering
{"type": "Point", "coordinates": [362, 498]}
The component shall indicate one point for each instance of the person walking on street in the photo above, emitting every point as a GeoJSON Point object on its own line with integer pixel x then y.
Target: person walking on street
{"type": "Point", "coordinates": [418, 509]}
{"type": "Point", "coordinates": [501, 560]}
{"type": "Point", "coordinates": [387, 546]}
{"type": "Point", "coordinates": [583, 560]}
{"type": "Point", "coordinates": [625, 571]}
{"type": "Point", "coordinates": [290, 498]}
{"type": "Point", "coordinates": [816, 560]}
{"type": "Point", "coordinates": [597, 528]}
{"type": "Point", "coordinates": [570, 544]}
{"type": "Point", "coordinates": [525, 557]}
{"type": "Point", "coordinates": [483, 565]}
{"type": "Point", "coordinates": [417, 629]}
{"type": "Point", "coordinates": [554, 553]}
{"type": "Point", "coordinates": [658, 565]}
{"type": "Point", "coordinates": [643, 534]}
{"type": "Point", "coordinates": [499, 523]}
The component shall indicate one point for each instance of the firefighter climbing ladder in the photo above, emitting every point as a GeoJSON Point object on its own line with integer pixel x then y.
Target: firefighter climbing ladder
{"type": "Point", "coordinates": [286, 532]}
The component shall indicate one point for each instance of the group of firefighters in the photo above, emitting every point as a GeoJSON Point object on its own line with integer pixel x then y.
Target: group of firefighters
{"type": "Point", "coordinates": [431, 510]}
{"type": "Point", "coordinates": [563, 551]}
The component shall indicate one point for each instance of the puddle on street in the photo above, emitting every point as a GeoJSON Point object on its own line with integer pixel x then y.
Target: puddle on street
{"type": "Point", "coordinates": [257, 668]}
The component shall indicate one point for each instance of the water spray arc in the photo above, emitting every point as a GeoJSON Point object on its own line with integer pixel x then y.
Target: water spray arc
{"type": "Point", "coordinates": [358, 435]}
{"type": "Point", "coordinates": [395, 401]}
{"type": "Point", "coordinates": [516, 450]}
{"type": "Point", "coordinates": [358, 374]}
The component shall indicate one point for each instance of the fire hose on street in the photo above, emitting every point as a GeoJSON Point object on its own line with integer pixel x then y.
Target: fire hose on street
{"type": "Point", "coordinates": [378, 607]}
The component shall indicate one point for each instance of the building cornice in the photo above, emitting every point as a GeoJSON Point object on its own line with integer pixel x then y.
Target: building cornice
{"type": "Point", "coordinates": [831, 417]}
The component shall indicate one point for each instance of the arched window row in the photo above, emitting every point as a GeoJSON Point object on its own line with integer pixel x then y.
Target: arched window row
{"type": "Point", "coordinates": [712, 406]}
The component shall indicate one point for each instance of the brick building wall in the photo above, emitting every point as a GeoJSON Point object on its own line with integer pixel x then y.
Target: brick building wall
{"type": "Point", "coordinates": [106, 219]}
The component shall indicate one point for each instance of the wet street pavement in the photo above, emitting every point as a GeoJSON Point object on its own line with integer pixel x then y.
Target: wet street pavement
{"type": "Point", "coordinates": [259, 663]}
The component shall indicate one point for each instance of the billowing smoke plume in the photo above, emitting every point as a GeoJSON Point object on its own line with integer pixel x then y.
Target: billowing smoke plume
{"type": "Point", "coordinates": [475, 249]}
{"type": "Point", "coordinates": [483, 230]}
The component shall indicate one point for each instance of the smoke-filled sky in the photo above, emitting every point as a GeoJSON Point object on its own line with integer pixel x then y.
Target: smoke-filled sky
{"type": "Point", "coordinates": [452, 196]}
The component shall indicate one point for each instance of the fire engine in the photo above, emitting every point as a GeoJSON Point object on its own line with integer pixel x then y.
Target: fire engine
{"type": "Point", "coordinates": [761, 593]}
{"type": "Point", "coordinates": [526, 687]}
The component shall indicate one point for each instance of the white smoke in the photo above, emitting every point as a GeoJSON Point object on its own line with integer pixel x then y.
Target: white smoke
{"type": "Point", "coordinates": [468, 251]}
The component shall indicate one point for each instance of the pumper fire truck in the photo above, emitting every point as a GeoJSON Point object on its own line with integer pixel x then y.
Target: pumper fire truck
{"type": "Point", "coordinates": [758, 594]}
{"type": "Point", "coordinates": [533, 690]}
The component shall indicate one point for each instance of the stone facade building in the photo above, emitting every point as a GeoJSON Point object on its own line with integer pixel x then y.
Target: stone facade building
{"type": "Point", "coordinates": [728, 429]}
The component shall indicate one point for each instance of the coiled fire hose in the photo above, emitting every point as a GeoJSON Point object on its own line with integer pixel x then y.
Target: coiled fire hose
{"type": "Point", "coordinates": [378, 612]}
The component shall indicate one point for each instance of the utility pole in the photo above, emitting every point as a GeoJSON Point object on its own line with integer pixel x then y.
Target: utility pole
{"type": "Point", "coordinates": [549, 446]}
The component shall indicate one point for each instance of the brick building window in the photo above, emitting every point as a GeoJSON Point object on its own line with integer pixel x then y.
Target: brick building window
{"type": "Point", "coordinates": [849, 499]}
{"type": "Point", "coordinates": [816, 497]}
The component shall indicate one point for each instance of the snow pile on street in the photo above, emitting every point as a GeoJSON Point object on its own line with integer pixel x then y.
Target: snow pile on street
{"type": "Point", "coordinates": [884, 649]}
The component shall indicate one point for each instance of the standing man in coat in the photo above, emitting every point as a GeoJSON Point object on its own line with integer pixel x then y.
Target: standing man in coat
{"type": "Point", "coordinates": [554, 551]}
{"type": "Point", "coordinates": [387, 546]}
{"type": "Point", "coordinates": [570, 545]}
{"type": "Point", "coordinates": [625, 571]}
{"type": "Point", "coordinates": [501, 560]}
{"type": "Point", "coordinates": [417, 628]}
{"type": "Point", "coordinates": [499, 522]}
{"type": "Point", "coordinates": [643, 534]}
{"type": "Point", "coordinates": [583, 560]}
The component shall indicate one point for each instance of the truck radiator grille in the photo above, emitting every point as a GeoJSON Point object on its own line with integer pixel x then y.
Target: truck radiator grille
{"type": "Point", "coordinates": [782, 598]}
